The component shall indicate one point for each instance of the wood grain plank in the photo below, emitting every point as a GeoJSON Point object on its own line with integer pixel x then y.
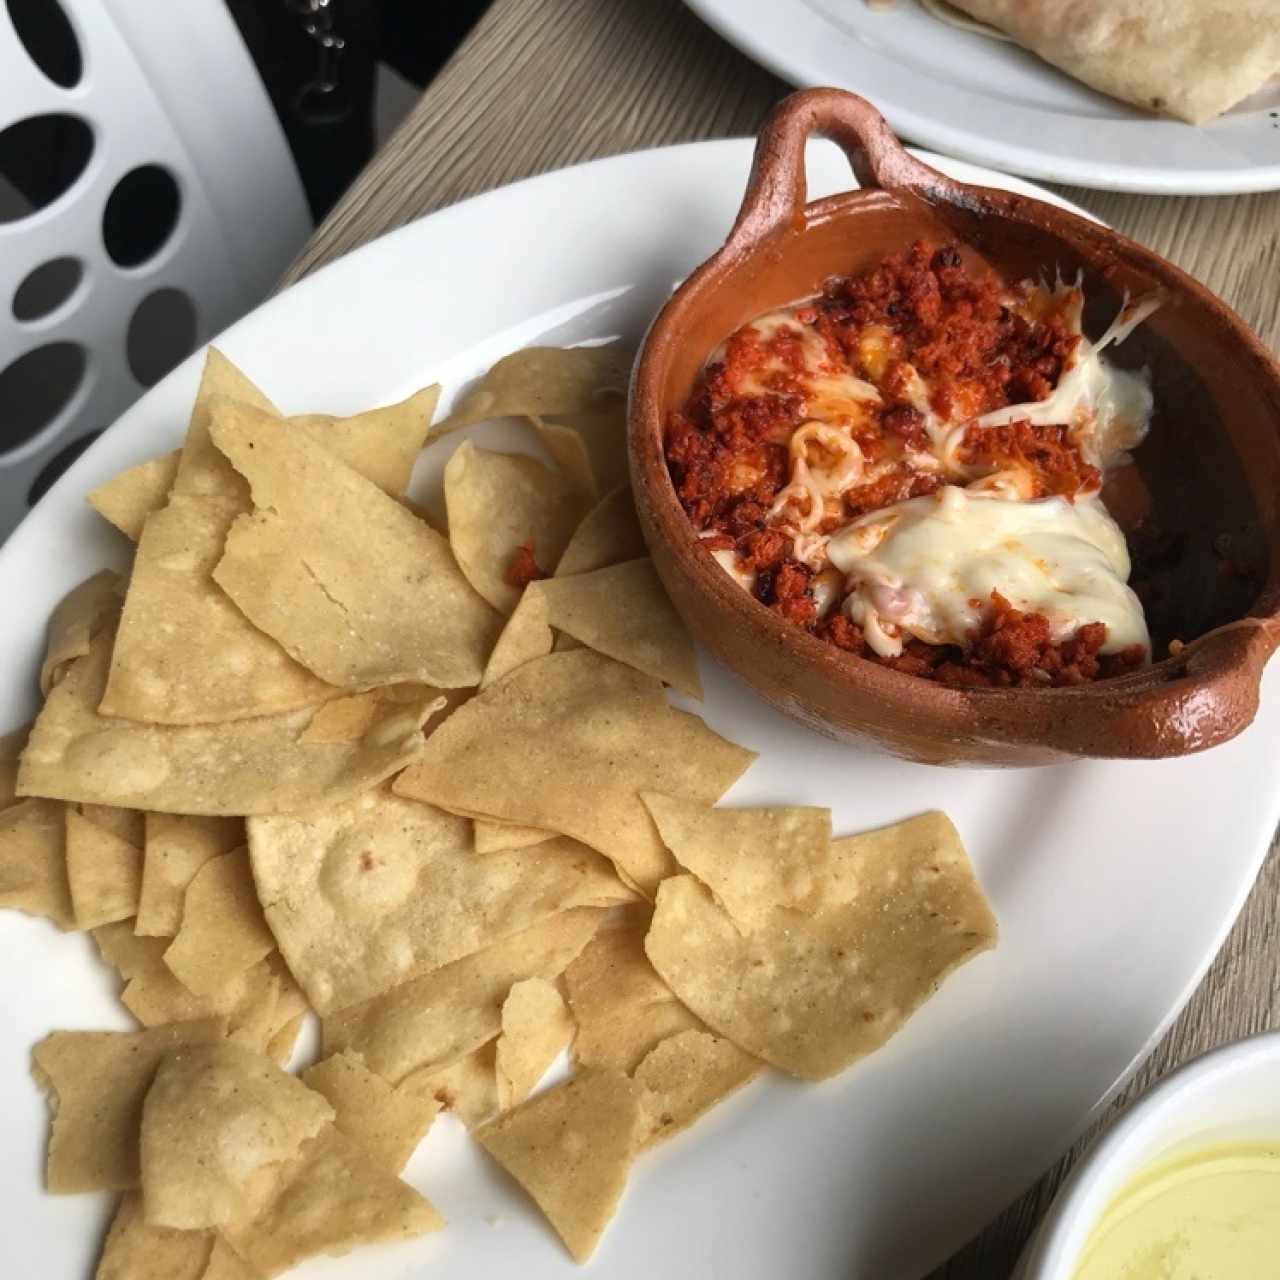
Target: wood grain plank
{"type": "Point", "coordinates": [541, 84]}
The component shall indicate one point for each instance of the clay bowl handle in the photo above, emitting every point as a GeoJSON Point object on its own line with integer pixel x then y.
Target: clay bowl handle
{"type": "Point", "coordinates": [776, 196]}
{"type": "Point", "coordinates": [1205, 696]}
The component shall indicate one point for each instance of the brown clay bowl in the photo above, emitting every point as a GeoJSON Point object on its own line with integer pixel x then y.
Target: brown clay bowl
{"type": "Point", "coordinates": [1208, 475]}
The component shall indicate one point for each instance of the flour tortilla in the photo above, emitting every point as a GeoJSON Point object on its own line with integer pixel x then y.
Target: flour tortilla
{"type": "Point", "coordinates": [1192, 59]}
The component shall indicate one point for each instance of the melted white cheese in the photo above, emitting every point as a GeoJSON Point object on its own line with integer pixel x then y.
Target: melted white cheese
{"type": "Point", "coordinates": [918, 567]}
{"type": "Point", "coordinates": [1109, 408]}
{"type": "Point", "coordinates": [832, 393]}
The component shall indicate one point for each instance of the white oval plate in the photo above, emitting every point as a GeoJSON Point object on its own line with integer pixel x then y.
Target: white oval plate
{"type": "Point", "coordinates": [996, 104]}
{"type": "Point", "coordinates": [1114, 883]}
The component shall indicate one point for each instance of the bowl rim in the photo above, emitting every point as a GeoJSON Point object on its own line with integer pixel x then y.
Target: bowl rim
{"type": "Point", "coordinates": [1055, 1248]}
{"type": "Point", "coordinates": [1244, 653]}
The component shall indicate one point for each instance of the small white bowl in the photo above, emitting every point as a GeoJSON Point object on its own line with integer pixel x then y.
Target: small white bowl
{"type": "Point", "coordinates": [1229, 1095]}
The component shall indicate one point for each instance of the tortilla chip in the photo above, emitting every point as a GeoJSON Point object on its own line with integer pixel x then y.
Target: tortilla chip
{"type": "Point", "coordinates": [526, 636]}
{"type": "Point", "coordinates": [252, 766]}
{"type": "Point", "coordinates": [330, 1198]}
{"type": "Point", "coordinates": [604, 436]}
{"type": "Point", "coordinates": [84, 610]}
{"type": "Point", "coordinates": [103, 871]}
{"type": "Point", "coordinates": [622, 1008]}
{"type": "Point", "coordinates": [177, 846]}
{"type": "Point", "coordinates": [11, 746]}
{"type": "Point", "coordinates": [185, 654]}
{"type": "Point", "coordinates": [571, 1149]}
{"type": "Point", "coordinates": [467, 1089]}
{"type": "Point", "coordinates": [226, 1264]}
{"type": "Point", "coordinates": [223, 932]}
{"type": "Point", "coordinates": [175, 610]}
{"type": "Point", "coordinates": [281, 1046]}
{"type": "Point", "coordinates": [811, 994]}
{"type": "Point", "coordinates": [256, 1018]}
{"type": "Point", "coordinates": [752, 860]}
{"type": "Point", "coordinates": [542, 380]}
{"type": "Point", "coordinates": [97, 1081]}
{"type": "Point", "coordinates": [569, 726]}
{"type": "Point", "coordinates": [382, 444]}
{"type": "Point", "coordinates": [217, 1118]}
{"type": "Point", "coordinates": [430, 1022]}
{"type": "Point", "coordinates": [344, 719]}
{"type": "Point", "coordinates": [623, 611]}
{"type": "Point", "coordinates": [493, 837]}
{"type": "Point", "coordinates": [609, 534]}
{"type": "Point", "coordinates": [568, 451]}
{"type": "Point", "coordinates": [128, 499]}
{"type": "Point", "coordinates": [33, 861]}
{"type": "Point", "coordinates": [354, 586]}
{"type": "Point", "coordinates": [129, 824]}
{"type": "Point", "coordinates": [388, 1123]}
{"type": "Point", "coordinates": [202, 470]}
{"type": "Point", "coordinates": [136, 1250]}
{"type": "Point", "coordinates": [927, 846]}
{"type": "Point", "coordinates": [499, 502]}
{"type": "Point", "coordinates": [365, 895]}
{"type": "Point", "coordinates": [155, 997]}
{"type": "Point", "coordinates": [536, 1025]}
{"type": "Point", "coordinates": [684, 1077]}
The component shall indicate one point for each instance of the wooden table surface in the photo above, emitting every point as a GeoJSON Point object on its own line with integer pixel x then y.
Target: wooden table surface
{"type": "Point", "coordinates": [541, 84]}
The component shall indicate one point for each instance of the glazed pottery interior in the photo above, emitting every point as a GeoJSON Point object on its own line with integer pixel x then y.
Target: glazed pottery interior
{"type": "Point", "coordinates": [1199, 504]}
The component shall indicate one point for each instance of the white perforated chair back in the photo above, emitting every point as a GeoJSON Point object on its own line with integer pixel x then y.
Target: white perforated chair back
{"type": "Point", "coordinates": [177, 126]}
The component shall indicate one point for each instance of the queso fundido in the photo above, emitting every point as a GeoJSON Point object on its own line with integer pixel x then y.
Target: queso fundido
{"type": "Point", "coordinates": [910, 464]}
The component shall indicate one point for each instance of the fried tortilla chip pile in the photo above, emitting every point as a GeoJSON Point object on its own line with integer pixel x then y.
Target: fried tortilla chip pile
{"type": "Point", "coordinates": [316, 755]}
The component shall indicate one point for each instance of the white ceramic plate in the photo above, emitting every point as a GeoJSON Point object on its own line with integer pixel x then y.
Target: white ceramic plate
{"type": "Point", "coordinates": [1114, 883]}
{"type": "Point", "coordinates": [993, 103]}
